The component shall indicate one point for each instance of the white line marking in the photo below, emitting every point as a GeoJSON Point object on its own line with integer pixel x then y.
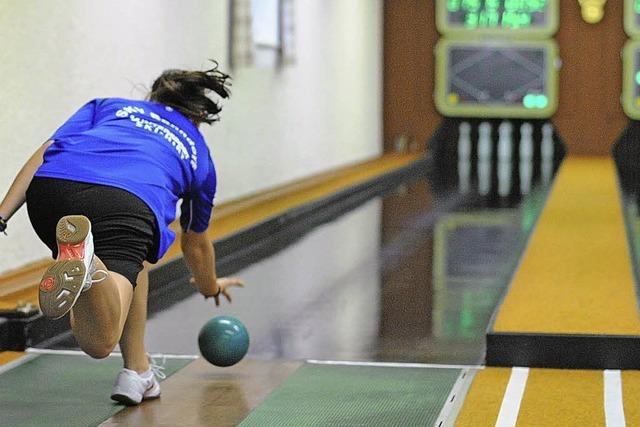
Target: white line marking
{"type": "Point", "coordinates": [512, 397]}
{"type": "Point", "coordinates": [171, 356]}
{"type": "Point", "coordinates": [392, 364]}
{"type": "Point", "coordinates": [114, 354]}
{"type": "Point", "coordinates": [613, 403]}
{"type": "Point", "coordinates": [453, 404]}
{"type": "Point", "coordinates": [15, 363]}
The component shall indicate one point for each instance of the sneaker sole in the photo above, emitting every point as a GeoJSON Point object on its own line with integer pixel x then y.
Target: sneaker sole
{"type": "Point", "coordinates": [62, 283]}
{"type": "Point", "coordinates": [126, 400]}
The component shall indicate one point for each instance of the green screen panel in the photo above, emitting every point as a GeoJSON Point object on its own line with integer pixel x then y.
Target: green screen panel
{"type": "Point", "coordinates": [632, 17]}
{"type": "Point", "coordinates": [631, 79]}
{"type": "Point", "coordinates": [515, 18]}
{"type": "Point", "coordinates": [497, 78]}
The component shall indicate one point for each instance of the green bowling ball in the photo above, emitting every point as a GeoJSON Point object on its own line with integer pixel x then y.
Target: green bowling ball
{"type": "Point", "coordinates": [223, 341]}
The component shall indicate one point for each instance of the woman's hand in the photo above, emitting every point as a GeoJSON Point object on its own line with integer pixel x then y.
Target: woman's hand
{"type": "Point", "coordinates": [221, 287]}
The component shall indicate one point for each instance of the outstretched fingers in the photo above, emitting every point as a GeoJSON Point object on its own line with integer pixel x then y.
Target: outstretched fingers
{"type": "Point", "coordinates": [224, 284]}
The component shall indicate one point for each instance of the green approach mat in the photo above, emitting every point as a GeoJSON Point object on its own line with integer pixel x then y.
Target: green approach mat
{"type": "Point", "coordinates": [333, 395]}
{"type": "Point", "coordinates": [57, 390]}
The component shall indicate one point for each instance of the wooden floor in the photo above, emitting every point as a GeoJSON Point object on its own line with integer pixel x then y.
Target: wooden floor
{"type": "Point", "coordinates": [203, 395]}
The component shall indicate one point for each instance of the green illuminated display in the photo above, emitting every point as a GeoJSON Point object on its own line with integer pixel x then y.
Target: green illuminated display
{"type": "Point", "coordinates": [532, 100]}
{"type": "Point", "coordinates": [632, 17]}
{"type": "Point", "coordinates": [528, 17]}
{"type": "Point", "coordinates": [496, 13]}
{"type": "Point", "coordinates": [631, 79]}
{"type": "Point", "coordinates": [496, 78]}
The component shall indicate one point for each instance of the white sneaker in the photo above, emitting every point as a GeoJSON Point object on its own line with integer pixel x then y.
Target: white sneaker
{"type": "Point", "coordinates": [73, 270]}
{"type": "Point", "coordinates": [131, 388]}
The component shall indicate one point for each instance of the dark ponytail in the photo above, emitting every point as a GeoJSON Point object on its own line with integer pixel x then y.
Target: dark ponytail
{"type": "Point", "coordinates": [186, 91]}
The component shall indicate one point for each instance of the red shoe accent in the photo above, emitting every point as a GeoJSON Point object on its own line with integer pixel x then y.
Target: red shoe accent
{"type": "Point", "coordinates": [47, 284]}
{"type": "Point", "coordinates": [67, 251]}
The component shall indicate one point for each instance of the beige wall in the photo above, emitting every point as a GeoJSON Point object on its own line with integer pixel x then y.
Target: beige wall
{"type": "Point", "coordinates": [280, 125]}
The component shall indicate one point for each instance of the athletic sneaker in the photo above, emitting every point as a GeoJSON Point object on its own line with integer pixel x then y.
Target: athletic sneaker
{"type": "Point", "coordinates": [73, 270]}
{"type": "Point", "coordinates": [131, 388]}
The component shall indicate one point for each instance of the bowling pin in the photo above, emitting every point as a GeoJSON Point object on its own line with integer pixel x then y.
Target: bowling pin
{"type": "Point", "coordinates": [464, 157]}
{"type": "Point", "coordinates": [504, 158]}
{"type": "Point", "coordinates": [484, 158]}
{"type": "Point", "coordinates": [547, 153]}
{"type": "Point", "coordinates": [526, 157]}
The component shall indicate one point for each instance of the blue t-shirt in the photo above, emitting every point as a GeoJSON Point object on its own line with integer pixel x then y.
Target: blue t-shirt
{"type": "Point", "coordinates": [142, 147]}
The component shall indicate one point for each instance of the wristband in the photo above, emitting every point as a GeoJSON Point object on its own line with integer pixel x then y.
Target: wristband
{"type": "Point", "coordinates": [3, 225]}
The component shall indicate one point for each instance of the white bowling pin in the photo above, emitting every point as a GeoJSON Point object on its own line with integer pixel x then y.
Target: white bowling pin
{"type": "Point", "coordinates": [526, 157]}
{"type": "Point", "coordinates": [504, 158]}
{"type": "Point", "coordinates": [484, 158]}
{"type": "Point", "coordinates": [464, 157]}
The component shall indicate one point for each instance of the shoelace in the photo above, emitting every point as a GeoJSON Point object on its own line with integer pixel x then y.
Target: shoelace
{"type": "Point", "coordinates": [94, 281]}
{"type": "Point", "coordinates": [158, 369]}
{"type": "Point", "coordinates": [93, 271]}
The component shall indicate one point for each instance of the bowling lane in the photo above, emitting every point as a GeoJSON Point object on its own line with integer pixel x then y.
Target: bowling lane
{"type": "Point", "coordinates": [409, 276]}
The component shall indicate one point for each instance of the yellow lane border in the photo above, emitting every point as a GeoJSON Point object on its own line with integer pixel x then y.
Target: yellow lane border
{"type": "Point", "coordinates": [576, 270]}
{"type": "Point", "coordinates": [555, 397]}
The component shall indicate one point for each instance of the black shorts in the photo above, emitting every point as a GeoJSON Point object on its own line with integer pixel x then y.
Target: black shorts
{"type": "Point", "coordinates": [124, 228]}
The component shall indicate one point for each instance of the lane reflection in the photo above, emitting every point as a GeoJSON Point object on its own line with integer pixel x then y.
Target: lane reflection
{"type": "Point", "coordinates": [412, 276]}
{"type": "Point", "coordinates": [316, 298]}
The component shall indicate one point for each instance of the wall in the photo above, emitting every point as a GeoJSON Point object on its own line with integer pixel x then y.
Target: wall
{"type": "Point", "coordinates": [589, 116]}
{"type": "Point", "coordinates": [280, 125]}
{"type": "Point", "coordinates": [410, 36]}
